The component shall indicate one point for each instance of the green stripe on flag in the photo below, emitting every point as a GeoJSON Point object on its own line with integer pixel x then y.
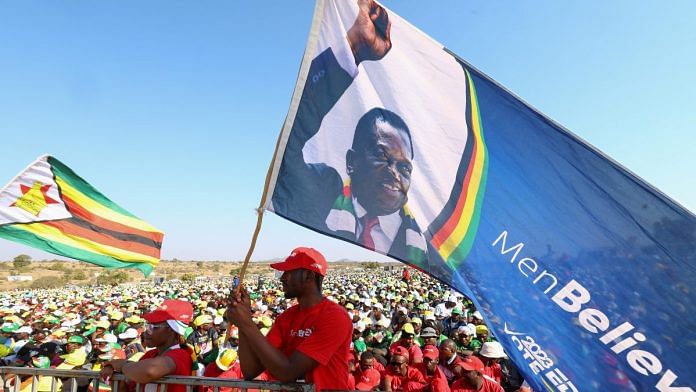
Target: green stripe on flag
{"type": "Point", "coordinates": [69, 176]}
{"type": "Point", "coordinates": [11, 233]}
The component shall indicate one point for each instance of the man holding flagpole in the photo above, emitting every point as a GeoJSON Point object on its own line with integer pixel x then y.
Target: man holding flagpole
{"type": "Point", "coordinates": [308, 341]}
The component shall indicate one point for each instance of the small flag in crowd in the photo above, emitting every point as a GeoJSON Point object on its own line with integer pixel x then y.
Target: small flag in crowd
{"type": "Point", "coordinates": [49, 207]}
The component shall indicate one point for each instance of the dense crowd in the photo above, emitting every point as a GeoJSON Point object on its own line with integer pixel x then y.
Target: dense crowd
{"type": "Point", "coordinates": [410, 332]}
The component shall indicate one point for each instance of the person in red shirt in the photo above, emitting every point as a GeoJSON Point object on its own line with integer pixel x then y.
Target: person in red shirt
{"type": "Point", "coordinates": [434, 377]}
{"type": "Point", "coordinates": [309, 341]}
{"type": "Point", "coordinates": [165, 332]}
{"type": "Point", "coordinates": [224, 366]}
{"type": "Point", "coordinates": [369, 380]}
{"type": "Point", "coordinates": [473, 379]}
{"type": "Point", "coordinates": [399, 376]}
{"type": "Point", "coordinates": [367, 362]}
{"type": "Point", "coordinates": [449, 360]}
{"type": "Point", "coordinates": [491, 353]}
{"type": "Point", "coordinates": [406, 341]}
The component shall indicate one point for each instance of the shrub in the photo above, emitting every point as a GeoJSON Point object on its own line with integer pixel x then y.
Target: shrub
{"type": "Point", "coordinates": [47, 282]}
{"type": "Point", "coordinates": [21, 262]}
{"type": "Point", "coordinates": [370, 265]}
{"type": "Point", "coordinates": [112, 277]}
{"type": "Point", "coordinates": [79, 275]}
{"type": "Point", "coordinates": [57, 266]}
{"type": "Point", "coordinates": [188, 277]}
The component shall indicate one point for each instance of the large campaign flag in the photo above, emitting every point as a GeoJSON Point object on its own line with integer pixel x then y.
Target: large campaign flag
{"type": "Point", "coordinates": [585, 272]}
{"type": "Point", "coordinates": [49, 207]}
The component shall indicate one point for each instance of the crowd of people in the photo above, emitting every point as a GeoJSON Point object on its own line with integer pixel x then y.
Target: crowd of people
{"type": "Point", "coordinates": [410, 332]}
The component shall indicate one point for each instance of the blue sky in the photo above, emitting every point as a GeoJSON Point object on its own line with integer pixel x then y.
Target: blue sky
{"type": "Point", "coordinates": [172, 108]}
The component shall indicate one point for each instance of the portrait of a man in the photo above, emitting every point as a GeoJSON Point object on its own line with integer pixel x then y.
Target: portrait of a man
{"type": "Point", "coordinates": [369, 207]}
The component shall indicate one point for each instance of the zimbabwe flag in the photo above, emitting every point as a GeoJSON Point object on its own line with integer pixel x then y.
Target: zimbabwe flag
{"type": "Point", "coordinates": [49, 207]}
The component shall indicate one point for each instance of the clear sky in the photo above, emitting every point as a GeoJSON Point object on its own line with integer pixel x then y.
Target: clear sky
{"type": "Point", "coordinates": [172, 108]}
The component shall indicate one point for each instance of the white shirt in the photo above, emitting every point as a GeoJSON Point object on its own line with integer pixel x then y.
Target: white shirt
{"type": "Point", "coordinates": [442, 311]}
{"type": "Point", "coordinates": [383, 234]}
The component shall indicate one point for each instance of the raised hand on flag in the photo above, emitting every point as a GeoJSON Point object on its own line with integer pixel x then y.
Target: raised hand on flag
{"type": "Point", "coordinates": [369, 38]}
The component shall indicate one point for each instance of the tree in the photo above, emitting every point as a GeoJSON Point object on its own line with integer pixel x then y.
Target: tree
{"type": "Point", "coordinates": [21, 261]}
{"type": "Point", "coordinates": [188, 277]}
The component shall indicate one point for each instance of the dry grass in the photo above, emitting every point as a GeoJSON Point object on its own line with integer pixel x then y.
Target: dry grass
{"type": "Point", "coordinates": [166, 268]}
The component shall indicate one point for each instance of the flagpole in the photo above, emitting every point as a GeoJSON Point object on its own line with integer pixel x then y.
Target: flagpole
{"type": "Point", "coordinates": [281, 143]}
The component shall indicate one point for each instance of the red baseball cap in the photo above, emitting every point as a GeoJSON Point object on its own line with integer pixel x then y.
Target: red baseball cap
{"type": "Point", "coordinates": [400, 350]}
{"type": "Point", "coordinates": [369, 379]}
{"type": "Point", "coordinates": [171, 309]}
{"type": "Point", "coordinates": [431, 352]}
{"type": "Point", "coordinates": [471, 362]}
{"type": "Point", "coordinates": [305, 258]}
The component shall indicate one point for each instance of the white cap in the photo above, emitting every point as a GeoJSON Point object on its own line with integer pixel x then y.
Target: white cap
{"type": "Point", "coordinates": [451, 298]}
{"type": "Point", "coordinates": [24, 329]}
{"type": "Point", "coordinates": [130, 333]}
{"type": "Point", "coordinates": [108, 338]}
{"type": "Point", "coordinates": [477, 315]}
{"type": "Point", "coordinates": [379, 306]}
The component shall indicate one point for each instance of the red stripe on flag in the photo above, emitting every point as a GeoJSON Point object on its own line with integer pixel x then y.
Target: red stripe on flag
{"type": "Point", "coordinates": [70, 228]}
{"type": "Point", "coordinates": [80, 211]}
{"type": "Point", "coordinates": [441, 236]}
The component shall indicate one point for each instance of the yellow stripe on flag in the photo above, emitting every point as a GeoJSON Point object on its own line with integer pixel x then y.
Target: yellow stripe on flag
{"type": "Point", "coordinates": [50, 233]}
{"type": "Point", "coordinates": [460, 230]}
{"type": "Point", "coordinates": [100, 210]}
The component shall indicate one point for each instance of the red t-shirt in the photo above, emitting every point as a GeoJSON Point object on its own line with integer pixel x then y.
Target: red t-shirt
{"type": "Point", "coordinates": [415, 355]}
{"type": "Point", "coordinates": [413, 380]}
{"type": "Point", "coordinates": [435, 383]}
{"type": "Point", "coordinates": [323, 333]}
{"type": "Point", "coordinates": [462, 385]}
{"type": "Point", "coordinates": [234, 372]}
{"type": "Point", "coordinates": [494, 371]}
{"type": "Point", "coordinates": [183, 361]}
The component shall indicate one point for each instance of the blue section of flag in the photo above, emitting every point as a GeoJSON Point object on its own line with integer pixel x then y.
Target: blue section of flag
{"type": "Point", "coordinates": [581, 218]}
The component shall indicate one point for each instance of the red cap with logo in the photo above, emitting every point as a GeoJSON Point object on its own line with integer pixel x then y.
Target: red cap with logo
{"type": "Point", "coordinates": [400, 350]}
{"type": "Point", "coordinates": [369, 379]}
{"type": "Point", "coordinates": [303, 258]}
{"type": "Point", "coordinates": [431, 352]}
{"type": "Point", "coordinates": [171, 309]}
{"type": "Point", "coordinates": [471, 362]}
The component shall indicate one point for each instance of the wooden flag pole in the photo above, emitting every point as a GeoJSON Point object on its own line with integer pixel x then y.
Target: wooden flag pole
{"type": "Point", "coordinates": [274, 167]}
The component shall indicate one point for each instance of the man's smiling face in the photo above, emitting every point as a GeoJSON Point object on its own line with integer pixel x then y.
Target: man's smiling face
{"type": "Point", "coordinates": [380, 169]}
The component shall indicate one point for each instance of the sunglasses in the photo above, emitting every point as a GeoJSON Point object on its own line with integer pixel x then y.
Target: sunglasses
{"type": "Point", "coordinates": [149, 328]}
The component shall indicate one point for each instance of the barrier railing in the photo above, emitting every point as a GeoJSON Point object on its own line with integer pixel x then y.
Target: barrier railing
{"type": "Point", "coordinates": [72, 380]}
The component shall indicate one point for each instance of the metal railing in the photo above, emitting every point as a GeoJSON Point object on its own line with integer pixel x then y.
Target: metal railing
{"type": "Point", "coordinates": [71, 380]}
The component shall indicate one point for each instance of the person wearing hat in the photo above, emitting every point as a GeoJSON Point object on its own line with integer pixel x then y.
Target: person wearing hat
{"type": "Point", "coordinates": [406, 337]}
{"type": "Point", "coordinates": [452, 323]}
{"type": "Point", "coordinates": [430, 336]}
{"type": "Point", "coordinates": [133, 349]}
{"type": "Point", "coordinates": [399, 375]}
{"type": "Point", "coordinates": [480, 338]}
{"type": "Point", "coordinates": [378, 341]}
{"type": "Point", "coordinates": [165, 331]}
{"type": "Point", "coordinates": [116, 323]}
{"type": "Point", "coordinates": [310, 340]}
{"type": "Point", "coordinates": [490, 354]}
{"type": "Point", "coordinates": [444, 309]}
{"type": "Point", "coordinates": [203, 339]}
{"type": "Point", "coordinates": [225, 365]}
{"type": "Point", "coordinates": [434, 377]}
{"type": "Point", "coordinates": [472, 379]}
